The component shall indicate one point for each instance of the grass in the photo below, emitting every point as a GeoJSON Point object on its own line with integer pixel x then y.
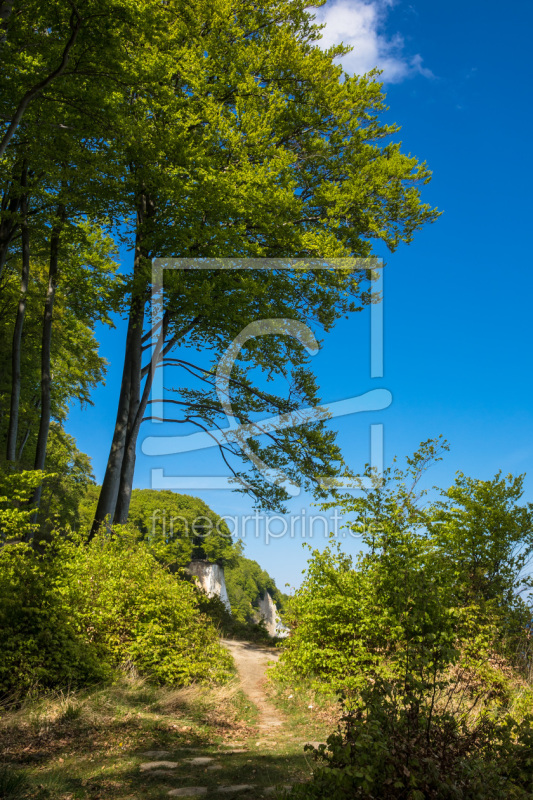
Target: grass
{"type": "Point", "coordinates": [89, 745]}
{"type": "Point", "coordinates": [316, 712]}
{"type": "Point", "coordinates": [13, 783]}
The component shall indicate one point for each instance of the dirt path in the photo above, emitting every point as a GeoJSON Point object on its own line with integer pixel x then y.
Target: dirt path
{"type": "Point", "coordinates": [251, 661]}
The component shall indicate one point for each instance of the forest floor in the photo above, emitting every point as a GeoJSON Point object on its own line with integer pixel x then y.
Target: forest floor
{"type": "Point", "coordinates": [134, 740]}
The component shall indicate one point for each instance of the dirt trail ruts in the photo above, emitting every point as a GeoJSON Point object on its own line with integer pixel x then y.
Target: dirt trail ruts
{"type": "Point", "coordinates": [251, 661]}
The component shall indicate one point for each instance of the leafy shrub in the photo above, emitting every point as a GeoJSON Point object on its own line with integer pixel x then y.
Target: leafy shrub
{"type": "Point", "coordinates": [39, 643]}
{"type": "Point", "coordinates": [134, 611]}
{"type": "Point", "coordinates": [16, 489]}
{"type": "Point", "coordinates": [388, 751]}
{"type": "Point", "coordinates": [39, 646]}
{"type": "Point", "coordinates": [71, 613]}
{"type": "Point", "coordinates": [419, 635]}
{"type": "Point", "coordinates": [430, 580]}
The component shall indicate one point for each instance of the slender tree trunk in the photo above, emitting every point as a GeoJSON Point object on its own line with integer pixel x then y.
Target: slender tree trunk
{"type": "Point", "coordinates": [4, 252]}
{"type": "Point", "coordinates": [129, 397]}
{"type": "Point", "coordinates": [8, 226]}
{"type": "Point", "coordinates": [17, 333]}
{"type": "Point", "coordinates": [23, 443]}
{"type": "Point", "coordinates": [46, 350]}
{"type": "Point", "coordinates": [135, 373]}
{"type": "Point", "coordinates": [128, 465]}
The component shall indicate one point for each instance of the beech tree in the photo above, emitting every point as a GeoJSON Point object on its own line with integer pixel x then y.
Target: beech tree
{"type": "Point", "coordinates": [83, 295]}
{"type": "Point", "coordinates": [55, 181]}
{"type": "Point", "coordinates": [219, 130]}
{"type": "Point", "coordinates": [251, 143]}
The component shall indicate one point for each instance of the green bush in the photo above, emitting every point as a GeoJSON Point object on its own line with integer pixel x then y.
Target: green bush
{"type": "Point", "coordinates": [16, 489]}
{"type": "Point", "coordinates": [393, 752]}
{"type": "Point", "coordinates": [71, 613]}
{"type": "Point", "coordinates": [134, 611]}
{"type": "Point", "coordinates": [420, 636]}
{"type": "Point", "coordinates": [431, 579]}
{"type": "Point", "coordinates": [39, 643]}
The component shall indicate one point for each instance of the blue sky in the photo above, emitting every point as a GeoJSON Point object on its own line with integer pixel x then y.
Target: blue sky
{"type": "Point", "coordinates": [457, 308]}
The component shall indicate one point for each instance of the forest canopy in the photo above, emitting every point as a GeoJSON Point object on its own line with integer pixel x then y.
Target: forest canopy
{"type": "Point", "coordinates": [224, 133]}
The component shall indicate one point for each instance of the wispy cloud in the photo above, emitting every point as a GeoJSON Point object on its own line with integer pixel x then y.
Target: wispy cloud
{"type": "Point", "coordinates": [360, 23]}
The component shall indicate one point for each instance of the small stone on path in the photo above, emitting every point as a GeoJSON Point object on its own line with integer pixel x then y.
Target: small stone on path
{"type": "Point", "coordinates": [156, 753]}
{"type": "Point", "coordinates": [199, 761]}
{"type": "Point", "coordinates": [214, 767]}
{"type": "Point", "coordinates": [158, 764]}
{"type": "Point", "coordinates": [188, 791]}
{"type": "Point", "coordinates": [240, 787]}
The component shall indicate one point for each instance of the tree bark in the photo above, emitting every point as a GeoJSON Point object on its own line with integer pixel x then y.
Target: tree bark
{"type": "Point", "coordinates": [17, 333]}
{"type": "Point", "coordinates": [4, 248]}
{"type": "Point", "coordinates": [128, 464]}
{"type": "Point", "coordinates": [129, 397]}
{"type": "Point", "coordinates": [23, 443]}
{"type": "Point", "coordinates": [120, 513]}
{"type": "Point", "coordinates": [8, 226]}
{"type": "Point", "coordinates": [105, 510]}
{"type": "Point", "coordinates": [46, 350]}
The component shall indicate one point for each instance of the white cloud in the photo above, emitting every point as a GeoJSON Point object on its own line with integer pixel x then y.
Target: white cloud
{"type": "Point", "coordinates": [359, 23]}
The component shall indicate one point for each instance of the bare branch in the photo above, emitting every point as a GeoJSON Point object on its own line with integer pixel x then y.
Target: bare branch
{"type": "Point", "coordinates": [184, 331]}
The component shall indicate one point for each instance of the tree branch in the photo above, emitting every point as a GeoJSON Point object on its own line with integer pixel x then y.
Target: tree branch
{"type": "Point", "coordinates": [75, 24]}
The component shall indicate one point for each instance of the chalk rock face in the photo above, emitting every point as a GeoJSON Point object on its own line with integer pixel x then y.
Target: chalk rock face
{"type": "Point", "coordinates": [211, 579]}
{"type": "Point", "coordinates": [269, 612]}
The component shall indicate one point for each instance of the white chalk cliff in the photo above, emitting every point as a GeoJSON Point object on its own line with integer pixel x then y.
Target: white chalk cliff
{"type": "Point", "coordinates": [269, 612]}
{"type": "Point", "coordinates": [211, 579]}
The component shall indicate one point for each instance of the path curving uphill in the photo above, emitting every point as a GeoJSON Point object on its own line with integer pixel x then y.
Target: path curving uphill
{"type": "Point", "coordinates": [252, 661]}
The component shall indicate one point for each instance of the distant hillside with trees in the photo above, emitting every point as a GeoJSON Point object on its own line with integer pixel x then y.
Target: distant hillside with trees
{"type": "Point", "coordinates": [180, 528]}
{"type": "Point", "coordinates": [247, 583]}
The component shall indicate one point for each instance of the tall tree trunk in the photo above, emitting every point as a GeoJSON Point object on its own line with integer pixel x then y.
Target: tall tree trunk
{"type": "Point", "coordinates": [135, 399]}
{"type": "Point", "coordinates": [17, 333]}
{"type": "Point", "coordinates": [4, 251]}
{"type": "Point", "coordinates": [134, 424]}
{"type": "Point", "coordinates": [105, 509]}
{"type": "Point", "coordinates": [46, 350]}
{"type": "Point", "coordinates": [129, 397]}
{"type": "Point", "coordinates": [8, 225]}
{"type": "Point", "coordinates": [23, 443]}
